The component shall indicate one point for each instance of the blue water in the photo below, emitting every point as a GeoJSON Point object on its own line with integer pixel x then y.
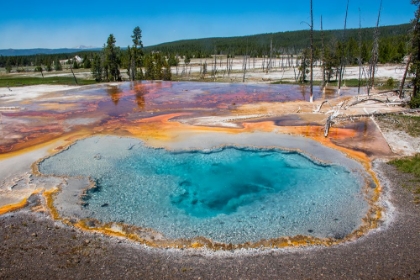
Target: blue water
{"type": "Point", "coordinates": [229, 195]}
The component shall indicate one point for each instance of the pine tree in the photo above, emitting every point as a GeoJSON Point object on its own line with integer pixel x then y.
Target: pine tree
{"type": "Point", "coordinates": [365, 54]}
{"type": "Point", "coordinates": [172, 60]}
{"type": "Point", "coordinates": [97, 68]}
{"type": "Point", "coordinates": [57, 65]}
{"type": "Point", "coordinates": [86, 62]}
{"type": "Point", "coordinates": [136, 55]}
{"type": "Point", "coordinates": [112, 60]}
{"type": "Point", "coordinates": [126, 61]}
{"type": "Point", "coordinates": [158, 65]}
{"type": "Point", "coordinates": [48, 65]}
{"type": "Point", "coordinates": [149, 67]}
{"type": "Point", "coordinates": [8, 66]}
{"type": "Point", "coordinates": [167, 75]}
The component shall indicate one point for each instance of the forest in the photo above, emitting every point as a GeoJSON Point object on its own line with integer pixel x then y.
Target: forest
{"type": "Point", "coordinates": [351, 42]}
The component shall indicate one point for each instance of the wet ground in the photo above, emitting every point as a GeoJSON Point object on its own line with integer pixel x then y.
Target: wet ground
{"type": "Point", "coordinates": [121, 109]}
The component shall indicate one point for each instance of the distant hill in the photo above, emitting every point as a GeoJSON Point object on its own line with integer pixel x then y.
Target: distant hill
{"type": "Point", "coordinates": [25, 52]}
{"type": "Point", "coordinates": [294, 40]}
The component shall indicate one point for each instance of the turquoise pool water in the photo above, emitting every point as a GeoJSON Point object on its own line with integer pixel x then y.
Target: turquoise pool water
{"type": "Point", "coordinates": [229, 194]}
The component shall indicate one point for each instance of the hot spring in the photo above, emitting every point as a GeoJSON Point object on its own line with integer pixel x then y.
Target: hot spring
{"type": "Point", "coordinates": [242, 190]}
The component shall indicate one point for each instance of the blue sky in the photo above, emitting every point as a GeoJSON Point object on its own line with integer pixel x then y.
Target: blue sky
{"type": "Point", "coordinates": [62, 24]}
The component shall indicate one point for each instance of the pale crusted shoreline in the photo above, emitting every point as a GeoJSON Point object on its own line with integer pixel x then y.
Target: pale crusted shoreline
{"type": "Point", "coordinates": [33, 246]}
{"type": "Point", "coordinates": [67, 202]}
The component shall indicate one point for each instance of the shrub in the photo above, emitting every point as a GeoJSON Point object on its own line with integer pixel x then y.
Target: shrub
{"type": "Point", "coordinates": [414, 102]}
{"type": "Point", "coordinates": [390, 83]}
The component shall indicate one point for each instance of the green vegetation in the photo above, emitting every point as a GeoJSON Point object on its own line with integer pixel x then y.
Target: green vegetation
{"type": "Point", "coordinates": [409, 165]}
{"type": "Point", "coordinates": [348, 83]}
{"type": "Point", "coordinates": [154, 62]}
{"type": "Point", "coordinates": [156, 67]}
{"type": "Point", "coordinates": [412, 166]}
{"type": "Point", "coordinates": [294, 42]}
{"type": "Point", "coordinates": [22, 62]}
{"type": "Point", "coordinates": [112, 60]}
{"type": "Point", "coordinates": [410, 124]}
{"type": "Point", "coordinates": [291, 43]}
{"type": "Point", "coordinates": [97, 68]}
{"type": "Point", "coordinates": [135, 56]}
{"type": "Point", "coordinates": [8, 66]}
{"type": "Point", "coordinates": [414, 102]}
{"type": "Point", "coordinates": [6, 81]}
{"type": "Point", "coordinates": [57, 65]}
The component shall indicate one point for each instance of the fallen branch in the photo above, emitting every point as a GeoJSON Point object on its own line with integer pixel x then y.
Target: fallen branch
{"type": "Point", "coordinates": [388, 91]}
{"type": "Point", "coordinates": [374, 113]}
{"type": "Point", "coordinates": [320, 106]}
{"type": "Point", "coordinates": [368, 99]}
{"type": "Point", "coordinates": [329, 122]}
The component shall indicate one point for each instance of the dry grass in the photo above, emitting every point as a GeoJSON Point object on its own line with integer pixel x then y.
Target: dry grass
{"type": "Point", "coordinates": [407, 123]}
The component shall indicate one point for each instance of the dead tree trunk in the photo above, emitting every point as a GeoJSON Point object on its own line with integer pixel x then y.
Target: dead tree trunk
{"type": "Point", "coordinates": [269, 64]}
{"type": "Point", "coordinates": [311, 94]}
{"type": "Point", "coordinates": [227, 64]}
{"type": "Point", "coordinates": [343, 55]}
{"type": "Point", "coordinates": [359, 59]}
{"type": "Point", "coordinates": [214, 65]}
{"type": "Point", "coordinates": [74, 76]}
{"type": "Point", "coordinates": [374, 59]}
{"type": "Point", "coordinates": [400, 93]}
{"type": "Point", "coordinates": [327, 126]}
{"type": "Point", "coordinates": [416, 30]}
{"type": "Point", "coordinates": [322, 57]}
{"type": "Point", "coordinates": [244, 62]}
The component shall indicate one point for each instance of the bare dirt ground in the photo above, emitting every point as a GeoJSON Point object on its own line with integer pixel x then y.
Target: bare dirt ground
{"type": "Point", "coordinates": [281, 69]}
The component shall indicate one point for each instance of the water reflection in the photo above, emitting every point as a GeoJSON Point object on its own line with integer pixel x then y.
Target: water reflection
{"type": "Point", "coordinates": [115, 94]}
{"type": "Point", "coordinates": [302, 90]}
{"type": "Point", "coordinates": [140, 91]}
{"type": "Point", "coordinates": [183, 95]}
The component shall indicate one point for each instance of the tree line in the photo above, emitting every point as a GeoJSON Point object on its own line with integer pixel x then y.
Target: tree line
{"type": "Point", "coordinates": [392, 46]}
{"type": "Point", "coordinates": [293, 42]}
{"type": "Point", "coordinates": [106, 64]}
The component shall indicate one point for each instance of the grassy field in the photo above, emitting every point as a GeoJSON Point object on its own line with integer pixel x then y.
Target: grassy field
{"type": "Point", "coordinates": [10, 81]}
{"type": "Point", "coordinates": [410, 124]}
{"type": "Point", "coordinates": [412, 166]}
